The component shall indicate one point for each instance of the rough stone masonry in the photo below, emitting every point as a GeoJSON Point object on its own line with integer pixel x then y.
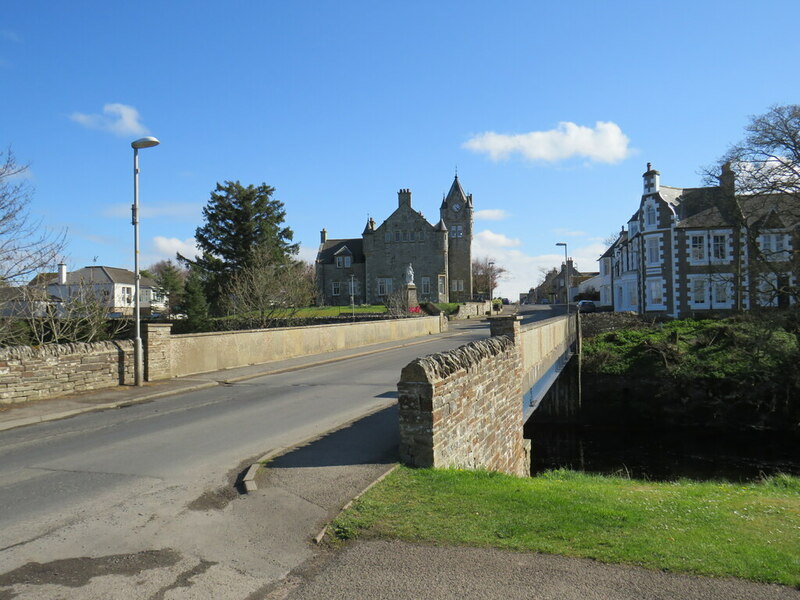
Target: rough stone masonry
{"type": "Point", "coordinates": [463, 409]}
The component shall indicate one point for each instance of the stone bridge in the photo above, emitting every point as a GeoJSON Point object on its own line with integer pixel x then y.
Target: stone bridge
{"type": "Point", "coordinates": [466, 408]}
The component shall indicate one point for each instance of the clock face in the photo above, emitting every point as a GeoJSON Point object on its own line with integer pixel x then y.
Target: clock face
{"type": "Point", "coordinates": [457, 206]}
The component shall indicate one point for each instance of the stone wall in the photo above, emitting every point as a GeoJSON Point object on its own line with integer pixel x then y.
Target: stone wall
{"type": "Point", "coordinates": [57, 370]}
{"type": "Point", "coordinates": [188, 354]}
{"type": "Point", "coordinates": [463, 409]}
{"type": "Point", "coordinates": [473, 310]}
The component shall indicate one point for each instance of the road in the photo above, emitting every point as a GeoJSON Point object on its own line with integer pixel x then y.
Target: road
{"type": "Point", "coordinates": [143, 495]}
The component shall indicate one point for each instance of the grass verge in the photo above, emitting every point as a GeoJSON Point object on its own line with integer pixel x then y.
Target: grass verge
{"type": "Point", "coordinates": [707, 528]}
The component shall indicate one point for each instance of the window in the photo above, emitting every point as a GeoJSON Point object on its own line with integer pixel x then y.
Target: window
{"type": "Point", "coordinates": [453, 285]}
{"type": "Point", "coordinates": [387, 237]}
{"type": "Point", "coordinates": [335, 288]}
{"type": "Point", "coordinates": [655, 292]}
{"type": "Point", "coordinates": [384, 286]}
{"type": "Point", "coordinates": [650, 216]}
{"type": "Point", "coordinates": [719, 247]}
{"type": "Point", "coordinates": [720, 292]}
{"type": "Point", "coordinates": [698, 247]}
{"type": "Point", "coordinates": [396, 236]}
{"type": "Point", "coordinates": [405, 236]}
{"type": "Point", "coordinates": [652, 250]}
{"type": "Point", "coordinates": [426, 285]}
{"type": "Point", "coordinates": [698, 291]}
{"type": "Point", "coordinates": [773, 245]}
{"type": "Point", "coordinates": [442, 285]}
{"type": "Point", "coordinates": [456, 231]}
{"type": "Point", "coordinates": [343, 262]}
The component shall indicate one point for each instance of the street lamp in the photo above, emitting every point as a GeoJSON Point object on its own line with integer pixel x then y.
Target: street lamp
{"type": "Point", "coordinates": [138, 359]}
{"type": "Point", "coordinates": [491, 283]}
{"type": "Point", "coordinates": [567, 275]}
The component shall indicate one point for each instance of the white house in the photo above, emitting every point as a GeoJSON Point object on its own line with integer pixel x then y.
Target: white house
{"type": "Point", "coordinates": [113, 286]}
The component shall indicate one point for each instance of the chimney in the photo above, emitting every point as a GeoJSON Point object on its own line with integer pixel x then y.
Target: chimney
{"type": "Point", "coordinates": [652, 180]}
{"type": "Point", "coordinates": [404, 197]}
{"type": "Point", "coordinates": [62, 274]}
{"type": "Point", "coordinates": [727, 179]}
{"type": "Point", "coordinates": [323, 236]}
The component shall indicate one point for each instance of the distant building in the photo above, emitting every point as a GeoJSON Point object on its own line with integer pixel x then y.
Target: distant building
{"type": "Point", "coordinates": [114, 287]}
{"type": "Point", "coordinates": [371, 268]}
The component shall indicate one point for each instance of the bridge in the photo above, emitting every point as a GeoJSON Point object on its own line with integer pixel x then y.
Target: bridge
{"type": "Point", "coordinates": [466, 408]}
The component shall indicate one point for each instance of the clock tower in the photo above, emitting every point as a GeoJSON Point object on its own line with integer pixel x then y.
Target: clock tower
{"type": "Point", "coordinates": [456, 212]}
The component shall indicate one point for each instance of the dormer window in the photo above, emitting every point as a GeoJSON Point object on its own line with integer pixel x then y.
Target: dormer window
{"type": "Point", "coordinates": [343, 262]}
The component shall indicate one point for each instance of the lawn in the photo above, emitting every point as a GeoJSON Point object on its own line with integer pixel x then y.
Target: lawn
{"type": "Point", "coordinates": [708, 528]}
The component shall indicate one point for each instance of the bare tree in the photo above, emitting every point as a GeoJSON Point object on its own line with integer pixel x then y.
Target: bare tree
{"type": "Point", "coordinates": [759, 180]}
{"type": "Point", "coordinates": [25, 246]}
{"type": "Point", "coordinates": [265, 289]}
{"type": "Point", "coordinates": [485, 275]}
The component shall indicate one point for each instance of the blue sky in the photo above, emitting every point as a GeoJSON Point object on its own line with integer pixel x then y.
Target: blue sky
{"type": "Point", "coordinates": [550, 113]}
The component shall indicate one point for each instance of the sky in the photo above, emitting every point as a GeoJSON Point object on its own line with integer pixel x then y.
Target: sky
{"type": "Point", "coordinates": [549, 113]}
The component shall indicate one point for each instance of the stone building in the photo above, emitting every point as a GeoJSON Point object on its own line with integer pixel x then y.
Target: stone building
{"type": "Point", "coordinates": [688, 251]}
{"type": "Point", "coordinates": [372, 268]}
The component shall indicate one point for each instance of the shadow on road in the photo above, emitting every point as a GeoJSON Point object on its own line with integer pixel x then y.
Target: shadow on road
{"type": "Point", "coordinates": [373, 439]}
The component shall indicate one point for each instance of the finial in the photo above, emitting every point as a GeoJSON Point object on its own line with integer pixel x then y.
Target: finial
{"type": "Point", "coordinates": [456, 171]}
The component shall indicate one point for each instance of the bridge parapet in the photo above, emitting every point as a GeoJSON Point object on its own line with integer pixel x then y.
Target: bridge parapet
{"type": "Point", "coordinates": [466, 408]}
{"type": "Point", "coordinates": [461, 409]}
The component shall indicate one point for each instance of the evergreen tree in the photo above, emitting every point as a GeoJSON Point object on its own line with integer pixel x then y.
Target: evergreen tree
{"type": "Point", "coordinates": [239, 222]}
{"type": "Point", "coordinates": [194, 303]}
{"type": "Point", "coordinates": [170, 281]}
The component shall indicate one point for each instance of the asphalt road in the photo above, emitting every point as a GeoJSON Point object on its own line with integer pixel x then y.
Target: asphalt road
{"type": "Point", "coordinates": [143, 495]}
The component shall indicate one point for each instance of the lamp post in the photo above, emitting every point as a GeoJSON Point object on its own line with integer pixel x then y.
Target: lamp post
{"type": "Point", "coordinates": [567, 275]}
{"type": "Point", "coordinates": [491, 283]}
{"type": "Point", "coordinates": [138, 359]}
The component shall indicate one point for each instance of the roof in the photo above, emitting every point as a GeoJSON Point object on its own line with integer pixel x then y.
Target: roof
{"type": "Point", "coordinates": [456, 194]}
{"type": "Point", "coordinates": [102, 275]}
{"type": "Point", "coordinates": [331, 248]}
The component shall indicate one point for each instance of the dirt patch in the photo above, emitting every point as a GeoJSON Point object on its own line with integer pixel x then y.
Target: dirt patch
{"type": "Point", "coordinates": [214, 499]}
{"type": "Point", "coordinates": [77, 572]}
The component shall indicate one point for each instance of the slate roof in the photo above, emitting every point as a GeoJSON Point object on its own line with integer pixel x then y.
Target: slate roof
{"type": "Point", "coordinates": [331, 248]}
{"type": "Point", "coordinates": [98, 274]}
{"type": "Point", "coordinates": [456, 193]}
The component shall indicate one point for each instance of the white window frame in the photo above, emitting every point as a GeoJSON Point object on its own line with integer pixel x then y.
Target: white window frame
{"type": "Point", "coordinates": [652, 246]}
{"type": "Point", "coordinates": [343, 262]}
{"type": "Point", "coordinates": [336, 288]}
{"type": "Point", "coordinates": [697, 251]}
{"type": "Point", "coordinates": [384, 287]}
{"type": "Point", "coordinates": [650, 217]}
{"type": "Point", "coordinates": [698, 288]}
{"type": "Point", "coordinates": [655, 293]}
{"type": "Point", "coordinates": [719, 249]}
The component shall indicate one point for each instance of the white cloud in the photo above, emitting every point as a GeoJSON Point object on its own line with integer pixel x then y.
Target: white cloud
{"type": "Point", "coordinates": [605, 143]}
{"type": "Point", "coordinates": [119, 119]}
{"type": "Point", "coordinates": [179, 210]}
{"type": "Point", "coordinates": [168, 247]}
{"type": "Point", "coordinates": [490, 214]}
{"type": "Point", "coordinates": [307, 253]}
{"type": "Point", "coordinates": [523, 270]}
{"type": "Point", "coordinates": [489, 239]}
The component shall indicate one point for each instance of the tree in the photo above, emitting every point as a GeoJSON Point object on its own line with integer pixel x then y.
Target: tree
{"type": "Point", "coordinates": [485, 275]}
{"type": "Point", "coordinates": [194, 303]}
{"type": "Point", "coordinates": [25, 246]}
{"type": "Point", "coordinates": [264, 291]}
{"type": "Point", "coordinates": [170, 279]}
{"type": "Point", "coordinates": [240, 223]}
{"type": "Point", "coordinates": [759, 179]}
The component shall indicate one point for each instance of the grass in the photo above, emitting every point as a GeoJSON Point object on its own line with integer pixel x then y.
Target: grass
{"type": "Point", "coordinates": [750, 531]}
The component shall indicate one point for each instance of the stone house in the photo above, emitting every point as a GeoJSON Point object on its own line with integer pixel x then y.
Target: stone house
{"type": "Point", "coordinates": [694, 250]}
{"type": "Point", "coordinates": [371, 268]}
